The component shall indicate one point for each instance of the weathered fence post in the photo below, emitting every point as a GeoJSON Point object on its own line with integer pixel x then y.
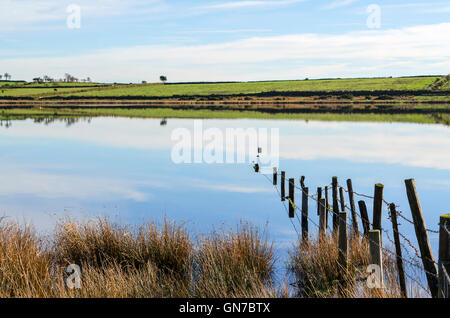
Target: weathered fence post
{"type": "Point", "coordinates": [422, 237]}
{"type": "Point", "coordinates": [444, 255]}
{"type": "Point", "coordinates": [319, 196]}
{"type": "Point", "coordinates": [322, 217]}
{"type": "Point", "coordinates": [398, 250]}
{"type": "Point", "coordinates": [376, 255]}
{"type": "Point", "coordinates": [378, 209]}
{"type": "Point", "coordinates": [364, 216]}
{"type": "Point", "coordinates": [305, 197]}
{"type": "Point", "coordinates": [351, 197]}
{"type": "Point", "coordinates": [275, 176]}
{"type": "Point", "coordinates": [335, 205]}
{"type": "Point", "coordinates": [283, 186]}
{"type": "Point", "coordinates": [327, 207]}
{"type": "Point", "coordinates": [343, 241]}
{"type": "Point", "coordinates": [341, 198]}
{"type": "Point", "coordinates": [291, 198]}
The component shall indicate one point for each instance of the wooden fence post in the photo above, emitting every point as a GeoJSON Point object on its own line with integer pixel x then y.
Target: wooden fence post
{"type": "Point", "coordinates": [422, 237]}
{"type": "Point", "coordinates": [364, 216]}
{"type": "Point", "coordinates": [291, 198]}
{"type": "Point", "coordinates": [376, 257]}
{"type": "Point", "coordinates": [319, 196]}
{"type": "Point", "coordinates": [322, 218]}
{"type": "Point", "coordinates": [351, 197]}
{"type": "Point", "coordinates": [335, 205]}
{"type": "Point", "coordinates": [342, 198]}
{"type": "Point", "coordinates": [327, 207]}
{"type": "Point", "coordinates": [398, 250]}
{"type": "Point", "coordinates": [444, 255]}
{"type": "Point", "coordinates": [275, 176]}
{"type": "Point", "coordinates": [343, 241]}
{"type": "Point", "coordinates": [378, 209]}
{"type": "Point", "coordinates": [305, 197]}
{"type": "Point", "coordinates": [283, 186]}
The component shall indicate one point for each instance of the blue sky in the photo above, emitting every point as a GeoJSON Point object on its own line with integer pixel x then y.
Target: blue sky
{"type": "Point", "coordinates": [134, 40]}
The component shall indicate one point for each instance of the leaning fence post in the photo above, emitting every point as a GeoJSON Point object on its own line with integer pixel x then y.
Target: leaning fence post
{"type": "Point", "coordinates": [422, 237]}
{"type": "Point", "coordinates": [305, 196]}
{"type": "Point", "coordinates": [364, 216]}
{"type": "Point", "coordinates": [275, 176]}
{"type": "Point", "coordinates": [322, 217]}
{"type": "Point", "coordinates": [343, 241]}
{"type": "Point", "coordinates": [444, 255]}
{"type": "Point", "coordinates": [335, 205]}
{"type": "Point", "coordinates": [375, 254]}
{"type": "Point", "coordinates": [378, 209]}
{"type": "Point", "coordinates": [291, 198]}
{"type": "Point", "coordinates": [283, 186]}
{"type": "Point", "coordinates": [398, 250]}
{"type": "Point", "coordinates": [351, 197]}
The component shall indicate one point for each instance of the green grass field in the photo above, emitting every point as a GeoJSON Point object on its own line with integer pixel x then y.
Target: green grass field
{"type": "Point", "coordinates": [160, 90]}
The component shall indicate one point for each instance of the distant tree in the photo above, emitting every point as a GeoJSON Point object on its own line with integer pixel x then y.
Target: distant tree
{"type": "Point", "coordinates": [1, 76]}
{"type": "Point", "coordinates": [163, 79]}
{"type": "Point", "coordinates": [88, 79]}
{"type": "Point", "coordinates": [6, 76]}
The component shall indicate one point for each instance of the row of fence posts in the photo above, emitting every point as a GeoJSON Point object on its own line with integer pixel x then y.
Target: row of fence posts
{"type": "Point", "coordinates": [437, 277]}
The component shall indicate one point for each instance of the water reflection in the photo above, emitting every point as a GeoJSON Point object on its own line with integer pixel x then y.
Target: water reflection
{"type": "Point", "coordinates": [122, 167]}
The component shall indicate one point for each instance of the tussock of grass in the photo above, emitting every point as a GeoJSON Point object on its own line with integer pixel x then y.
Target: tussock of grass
{"type": "Point", "coordinates": [236, 263]}
{"type": "Point", "coordinates": [124, 261]}
{"type": "Point", "coordinates": [318, 273]}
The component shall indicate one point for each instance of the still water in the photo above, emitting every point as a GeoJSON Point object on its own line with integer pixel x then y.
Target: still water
{"type": "Point", "coordinates": [123, 168]}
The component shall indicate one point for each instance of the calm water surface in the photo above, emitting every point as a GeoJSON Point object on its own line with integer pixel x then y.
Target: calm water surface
{"type": "Point", "coordinates": [122, 168]}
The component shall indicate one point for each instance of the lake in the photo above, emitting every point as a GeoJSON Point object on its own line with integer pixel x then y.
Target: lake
{"type": "Point", "coordinates": [124, 168]}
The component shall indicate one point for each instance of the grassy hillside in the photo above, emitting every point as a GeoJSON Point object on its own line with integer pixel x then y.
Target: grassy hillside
{"type": "Point", "coordinates": [407, 83]}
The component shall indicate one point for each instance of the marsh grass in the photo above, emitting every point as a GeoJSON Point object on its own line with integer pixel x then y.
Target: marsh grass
{"type": "Point", "coordinates": [152, 260]}
{"type": "Point", "coordinates": [163, 260]}
{"type": "Point", "coordinates": [316, 269]}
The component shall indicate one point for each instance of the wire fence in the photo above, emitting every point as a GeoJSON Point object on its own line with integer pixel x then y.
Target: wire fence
{"type": "Point", "coordinates": [412, 260]}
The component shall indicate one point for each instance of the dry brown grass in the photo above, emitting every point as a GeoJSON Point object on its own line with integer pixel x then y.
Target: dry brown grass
{"type": "Point", "coordinates": [318, 273]}
{"type": "Point", "coordinates": [123, 261]}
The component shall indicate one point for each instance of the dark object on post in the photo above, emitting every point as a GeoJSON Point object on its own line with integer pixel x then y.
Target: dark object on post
{"type": "Point", "coordinates": [275, 176]}
{"type": "Point", "coordinates": [302, 182]}
{"type": "Point", "coordinates": [422, 237]}
{"type": "Point", "coordinates": [283, 186]}
{"type": "Point", "coordinates": [291, 198]}
{"type": "Point", "coordinates": [352, 207]}
{"type": "Point", "coordinates": [305, 196]}
{"type": "Point", "coordinates": [364, 216]}
{"type": "Point", "coordinates": [256, 167]}
{"type": "Point", "coordinates": [398, 250]}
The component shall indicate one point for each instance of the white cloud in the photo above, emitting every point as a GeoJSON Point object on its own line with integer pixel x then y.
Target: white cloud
{"type": "Point", "coordinates": [421, 46]}
{"type": "Point", "coordinates": [245, 4]}
{"type": "Point", "coordinates": [19, 14]}
{"type": "Point", "coordinates": [339, 3]}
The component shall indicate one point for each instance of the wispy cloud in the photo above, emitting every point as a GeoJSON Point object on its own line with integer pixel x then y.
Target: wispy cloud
{"type": "Point", "coordinates": [339, 3]}
{"type": "Point", "coordinates": [244, 4]}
